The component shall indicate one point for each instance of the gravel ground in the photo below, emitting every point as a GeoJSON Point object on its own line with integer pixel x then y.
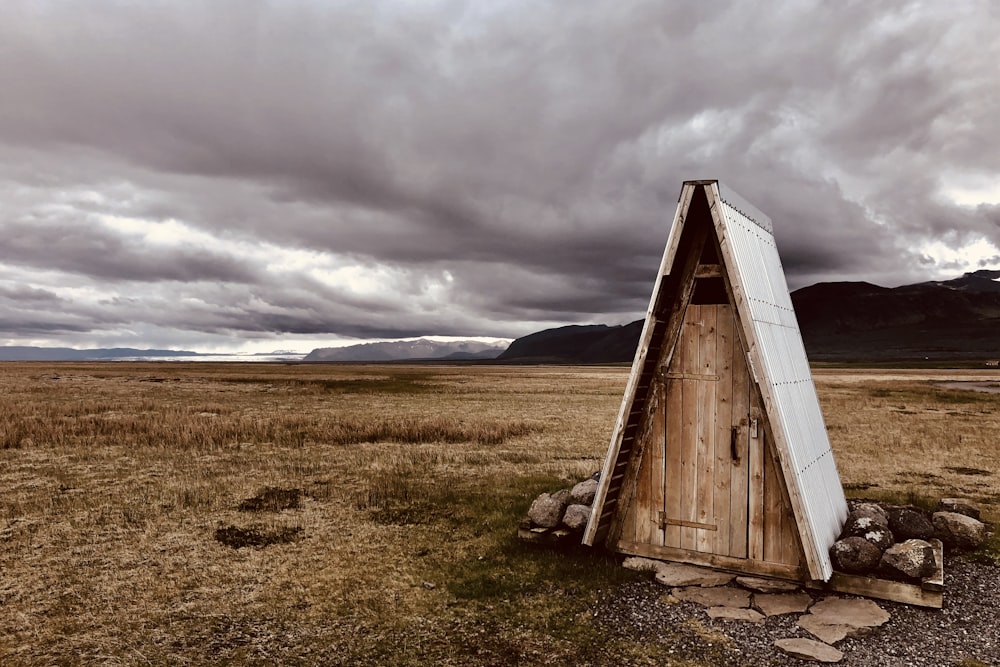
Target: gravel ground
{"type": "Point", "coordinates": [968, 628]}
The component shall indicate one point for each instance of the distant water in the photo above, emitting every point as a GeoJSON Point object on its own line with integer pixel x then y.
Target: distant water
{"type": "Point", "coordinates": [279, 357]}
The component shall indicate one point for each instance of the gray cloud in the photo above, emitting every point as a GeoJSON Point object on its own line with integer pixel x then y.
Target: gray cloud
{"type": "Point", "coordinates": [390, 169]}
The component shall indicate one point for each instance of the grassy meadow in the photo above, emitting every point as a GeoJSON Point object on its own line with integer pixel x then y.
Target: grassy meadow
{"type": "Point", "coordinates": [191, 514]}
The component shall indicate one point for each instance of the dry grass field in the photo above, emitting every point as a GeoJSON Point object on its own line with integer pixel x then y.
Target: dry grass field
{"type": "Point", "coordinates": [193, 514]}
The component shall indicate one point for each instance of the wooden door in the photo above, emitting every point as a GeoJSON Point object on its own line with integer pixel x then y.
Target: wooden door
{"type": "Point", "coordinates": [711, 440]}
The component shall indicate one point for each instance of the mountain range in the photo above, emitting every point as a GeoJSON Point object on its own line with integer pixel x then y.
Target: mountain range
{"type": "Point", "coordinates": [840, 321]}
{"type": "Point", "coordinates": [844, 321]}
{"type": "Point", "coordinates": [422, 348]}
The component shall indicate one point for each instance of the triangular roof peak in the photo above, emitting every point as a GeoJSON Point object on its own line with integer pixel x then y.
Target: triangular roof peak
{"type": "Point", "coordinates": [720, 455]}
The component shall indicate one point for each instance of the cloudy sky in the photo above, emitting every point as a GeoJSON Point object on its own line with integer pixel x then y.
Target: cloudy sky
{"type": "Point", "coordinates": [285, 174]}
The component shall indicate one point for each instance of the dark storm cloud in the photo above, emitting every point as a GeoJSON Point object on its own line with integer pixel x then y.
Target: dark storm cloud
{"type": "Point", "coordinates": [97, 253]}
{"type": "Point", "coordinates": [491, 166]}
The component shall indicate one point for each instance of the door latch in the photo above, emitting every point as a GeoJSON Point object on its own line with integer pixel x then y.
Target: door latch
{"type": "Point", "coordinates": [753, 429]}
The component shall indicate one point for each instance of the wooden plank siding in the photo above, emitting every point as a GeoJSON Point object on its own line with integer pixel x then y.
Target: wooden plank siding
{"type": "Point", "coordinates": [724, 464]}
{"type": "Point", "coordinates": [687, 439]}
{"type": "Point", "coordinates": [739, 473]}
{"type": "Point", "coordinates": [706, 421]}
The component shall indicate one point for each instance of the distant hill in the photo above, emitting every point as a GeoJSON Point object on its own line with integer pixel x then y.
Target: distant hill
{"type": "Point", "coordinates": [951, 319]}
{"type": "Point", "coordinates": [576, 344]}
{"type": "Point", "coordinates": [28, 353]}
{"type": "Point", "coordinates": [844, 321]}
{"type": "Point", "coordinates": [408, 350]}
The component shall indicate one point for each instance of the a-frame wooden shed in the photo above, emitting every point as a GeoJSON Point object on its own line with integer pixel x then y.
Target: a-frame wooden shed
{"type": "Point", "coordinates": [720, 455]}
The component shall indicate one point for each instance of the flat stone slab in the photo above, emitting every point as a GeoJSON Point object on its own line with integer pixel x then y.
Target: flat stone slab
{"type": "Point", "coordinates": [834, 618]}
{"type": "Point", "coordinates": [640, 564]}
{"type": "Point", "coordinates": [776, 604]}
{"type": "Point", "coordinates": [830, 633]}
{"type": "Point", "coordinates": [808, 649]}
{"type": "Point", "coordinates": [735, 614]}
{"type": "Point", "coordinates": [678, 574]}
{"type": "Point", "coordinates": [761, 585]}
{"type": "Point", "coordinates": [720, 596]}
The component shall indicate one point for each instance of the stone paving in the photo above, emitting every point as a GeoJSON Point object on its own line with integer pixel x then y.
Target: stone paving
{"type": "Point", "coordinates": [830, 619]}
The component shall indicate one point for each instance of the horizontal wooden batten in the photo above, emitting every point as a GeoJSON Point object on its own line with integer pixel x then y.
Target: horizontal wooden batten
{"type": "Point", "coordinates": [708, 271]}
{"type": "Point", "coordinates": [690, 376]}
{"type": "Point", "coordinates": [664, 522]}
{"type": "Point", "coordinates": [740, 565]}
{"type": "Point", "coordinates": [882, 589]}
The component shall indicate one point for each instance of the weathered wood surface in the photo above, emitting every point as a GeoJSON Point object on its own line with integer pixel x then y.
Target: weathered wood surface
{"type": "Point", "coordinates": [724, 464]}
{"type": "Point", "coordinates": [740, 470]}
{"type": "Point", "coordinates": [739, 565]}
{"type": "Point", "coordinates": [882, 589]}
{"type": "Point", "coordinates": [755, 491]}
{"type": "Point", "coordinates": [706, 420]}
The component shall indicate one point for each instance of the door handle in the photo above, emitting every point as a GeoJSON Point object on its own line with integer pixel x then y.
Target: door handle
{"type": "Point", "coordinates": [733, 445]}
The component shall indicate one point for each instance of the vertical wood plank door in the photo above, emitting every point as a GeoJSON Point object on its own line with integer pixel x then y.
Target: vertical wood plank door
{"type": "Point", "coordinates": [707, 448]}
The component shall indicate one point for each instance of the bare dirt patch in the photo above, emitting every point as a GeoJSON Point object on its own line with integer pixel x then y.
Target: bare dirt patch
{"type": "Point", "coordinates": [272, 499]}
{"type": "Point", "coordinates": [256, 536]}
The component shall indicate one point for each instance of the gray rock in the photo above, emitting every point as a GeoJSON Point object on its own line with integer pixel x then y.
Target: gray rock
{"type": "Point", "coordinates": [735, 614]}
{"type": "Point", "coordinates": [834, 618]}
{"type": "Point", "coordinates": [776, 604]}
{"type": "Point", "coordinates": [958, 530]}
{"type": "Point", "coordinates": [857, 525]}
{"type": "Point", "coordinates": [576, 517]}
{"type": "Point", "coordinates": [912, 558]}
{"type": "Point", "coordinates": [717, 596]}
{"type": "Point", "coordinates": [855, 555]}
{"type": "Point", "coordinates": [547, 510]}
{"type": "Point", "coordinates": [761, 585]}
{"type": "Point", "coordinates": [873, 510]}
{"type": "Point", "coordinates": [583, 493]}
{"type": "Point", "coordinates": [960, 506]}
{"type": "Point", "coordinates": [809, 649]}
{"type": "Point", "coordinates": [640, 564]}
{"type": "Point", "coordinates": [907, 523]}
{"type": "Point", "coordinates": [879, 536]}
{"type": "Point", "coordinates": [678, 574]}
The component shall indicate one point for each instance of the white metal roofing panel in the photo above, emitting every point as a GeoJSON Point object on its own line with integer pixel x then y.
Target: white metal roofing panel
{"type": "Point", "coordinates": [785, 371]}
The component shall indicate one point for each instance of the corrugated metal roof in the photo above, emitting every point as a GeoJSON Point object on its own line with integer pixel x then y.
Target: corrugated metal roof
{"type": "Point", "coordinates": [781, 369]}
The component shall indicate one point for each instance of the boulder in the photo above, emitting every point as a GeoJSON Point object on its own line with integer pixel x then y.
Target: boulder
{"type": "Point", "coordinates": [907, 523]}
{"type": "Point", "coordinates": [583, 493]}
{"type": "Point", "coordinates": [880, 536]}
{"type": "Point", "coordinates": [547, 510]}
{"type": "Point", "coordinates": [913, 559]}
{"type": "Point", "coordinates": [809, 649]}
{"type": "Point", "coordinates": [960, 506]}
{"type": "Point", "coordinates": [873, 511]}
{"type": "Point", "coordinates": [855, 555]}
{"type": "Point", "coordinates": [958, 530]}
{"type": "Point", "coordinates": [576, 517]}
{"type": "Point", "coordinates": [859, 524]}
